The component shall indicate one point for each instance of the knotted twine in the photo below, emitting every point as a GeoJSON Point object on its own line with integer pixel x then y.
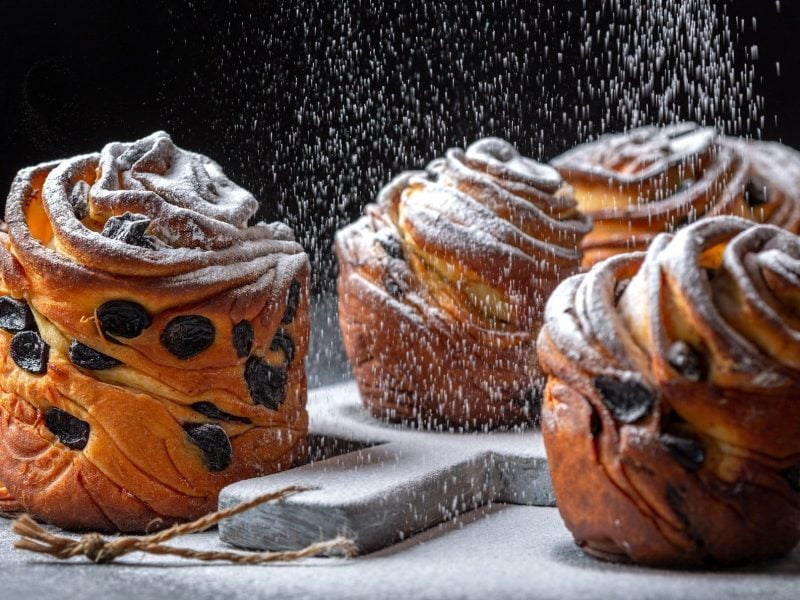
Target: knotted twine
{"type": "Point", "coordinates": [99, 549]}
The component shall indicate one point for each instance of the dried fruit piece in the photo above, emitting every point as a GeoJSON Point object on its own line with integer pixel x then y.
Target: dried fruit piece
{"type": "Point", "coordinates": [756, 193]}
{"type": "Point", "coordinates": [392, 286]}
{"type": "Point", "coordinates": [214, 443]}
{"type": "Point", "coordinates": [619, 289]}
{"type": "Point", "coordinates": [29, 351]}
{"type": "Point", "coordinates": [129, 228]}
{"type": "Point", "coordinates": [595, 423]}
{"type": "Point", "coordinates": [792, 477]}
{"type": "Point", "coordinates": [121, 318]}
{"type": "Point", "coordinates": [70, 430]}
{"type": "Point", "coordinates": [83, 356]}
{"type": "Point", "coordinates": [689, 453]}
{"type": "Point", "coordinates": [531, 398]}
{"type": "Point", "coordinates": [391, 245]}
{"type": "Point", "coordinates": [188, 335]}
{"type": "Point", "coordinates": [243, 338]}
{"type": "Point", "coordinates": [267, 384]}
{"type": "Point", "coordinates": [627, 400]}
{"type": "Point", "coordinates": [687, 361]}
{"type": "Point", "coordinates": [79, 199]}
{"type": "Point", "coordinates": [292, 302]}
{"type": "Point", "coordinates": [212, 412]}
{"type": "Point", "coordinates": [15, 315]}
{"type": "Point", "coordinates": [283, 342]}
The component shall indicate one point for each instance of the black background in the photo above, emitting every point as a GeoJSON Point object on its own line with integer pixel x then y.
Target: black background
{"type": "Point", "coordinates": [313, 106]}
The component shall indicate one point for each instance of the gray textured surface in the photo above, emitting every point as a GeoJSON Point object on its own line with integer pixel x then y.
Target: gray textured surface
{"type": "Point", "coordinates": [500, 552]}
{"type": "Point", "coordinates": [401, 482]}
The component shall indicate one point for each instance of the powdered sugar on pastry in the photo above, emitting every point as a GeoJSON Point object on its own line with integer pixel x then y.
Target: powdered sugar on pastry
{"type": "Point", "coordinates": [163, 339]}
{"type": "Point", "coordinates": [672, 397]}
{"type": "Point", "coordinates": [443, 284]}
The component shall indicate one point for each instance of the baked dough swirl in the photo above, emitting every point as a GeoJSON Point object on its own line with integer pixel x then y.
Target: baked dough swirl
{"type": "Point", "coordinates": [152, 344]}
{"type": "Point", "coordinates": [657, 179]}
{"type": "Point", "coordinates": [443, 283]}
{"type": "Point", "coordinates": [671, 415]}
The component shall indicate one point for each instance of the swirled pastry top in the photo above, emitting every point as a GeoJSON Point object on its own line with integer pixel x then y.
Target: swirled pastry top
{"type": "Point", "coordinates": [674, 392]}
{"type": "Point", "coordinates": [654, 179]}
{"type": "Point", "coordinates": [460, 258]}
{"type": "Point", "coordinates": [173, 331]}
{"type": "Point", "coordinates": [725, 288]}
{"type": "Point", "coordinates": [485, 228]}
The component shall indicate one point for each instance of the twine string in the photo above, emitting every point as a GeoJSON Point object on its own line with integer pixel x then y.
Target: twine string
{"type": "Point", "coordinates": [98, 549]}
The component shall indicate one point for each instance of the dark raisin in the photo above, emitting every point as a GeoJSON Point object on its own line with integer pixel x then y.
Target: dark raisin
{"type": "Point", "coordinates": [212, 412]}
{"type": "Point", "coordinates": [392, 286]}
{"type": "Point", "coordinates": [675, 499]}
{"type": "Point", "coordinates": [756, 193]}
{"type": "Point", "coordinates": [792, 477]}
{"type": "Point", "coordinates": [595, 423]}
{"type": "Point", "coordinates": [29, 351]}
{"type": "Point", "coordinates": [214, 443]}
{"type": "Point", "coordinates": [687, 361]}
{"type": "Point", "coordinates": [531, 398]}
{"type": "Point", "coordinates": [188, 335]}
{"type": "Point", "coordinates": [121, 318]}
{"type": "Point", "coordinates": [283, 342]}
{"type": "Point", "coordinates": [627, 400]}
{"type": "Point", "coordinates": [79, 199]}
{"type": "Point", "coordinates": [243, 338]}
{"type": "Point", "coordinates": [129, 228]}
{"type": "Point", "coordinates": [619, 289]}
{"type": "Point", "coordinates": [15, 315]}
{"type": "Point", "coordinates": [267, 384]}
{"type": "Point", "coordinates": [70, 431]}
{"type": "Point", "coordinates": [391, 245]}
{"type": "Point", "coordinates": [687, 452]}
{"type": "Point", "coordinates": [89, 358]}
{"type": "Point", "coordinates": [292, 302]}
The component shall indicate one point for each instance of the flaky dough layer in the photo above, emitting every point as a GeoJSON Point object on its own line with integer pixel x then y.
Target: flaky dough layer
{"type": "Point", "coordinates": [162, 353]}
{"type": "Point", "coordinates": [671, 415]}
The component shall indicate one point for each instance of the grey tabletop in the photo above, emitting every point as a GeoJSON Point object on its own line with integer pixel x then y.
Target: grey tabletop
{"type": "Point", "coordinates": [502, 551]}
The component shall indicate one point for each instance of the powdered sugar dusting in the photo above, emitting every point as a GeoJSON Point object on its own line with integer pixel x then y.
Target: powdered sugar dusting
{"type": "Point", "coordinates": [501, 219]}
{"type": "Point", "coordinates": [500, 159]}
{"type": "Point", "coordinates": [642, 153]}
{"type": "Point", "coordinates": [659, 179]}
{"type": "Point", "coordinates": [197, 218]}
{"type": "Point", "coordinates": [740, 310]}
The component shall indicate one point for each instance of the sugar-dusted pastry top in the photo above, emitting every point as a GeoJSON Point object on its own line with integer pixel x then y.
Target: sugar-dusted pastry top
{"type": "Point", "coordinates": [152, 343]}
{"type": "Point", "coordinates": [650, 180]}
{"type": "Point", "coordinates": [673, 399]}
{"type": "Point", "coordinates": [443, 283]}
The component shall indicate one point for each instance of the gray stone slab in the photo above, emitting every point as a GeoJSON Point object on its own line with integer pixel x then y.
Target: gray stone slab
{"type": "Point", "coordinates": [498, 552]}
{"type": "Point", "coordinates": [400, 482]}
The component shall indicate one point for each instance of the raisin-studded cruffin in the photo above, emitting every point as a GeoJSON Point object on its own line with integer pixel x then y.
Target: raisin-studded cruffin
{"type": "Point", "coordinates": [671, 415]}
{"type": "Point", "coordinates": [152, 344]}
{"type": "Point", "coordinates": [443, 282]}
{"type": "Point", "coordinates": [650, 180]}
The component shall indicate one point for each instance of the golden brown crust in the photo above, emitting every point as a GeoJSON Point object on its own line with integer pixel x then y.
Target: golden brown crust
{"type": "Point", "coordinates": [442, 286]}
{"type": "Point", "coordinates": [142, 462]}
{"type": "Point", "coordinates": [671, 415]}
{"type": "Point", "coordinates": [657, 179]}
